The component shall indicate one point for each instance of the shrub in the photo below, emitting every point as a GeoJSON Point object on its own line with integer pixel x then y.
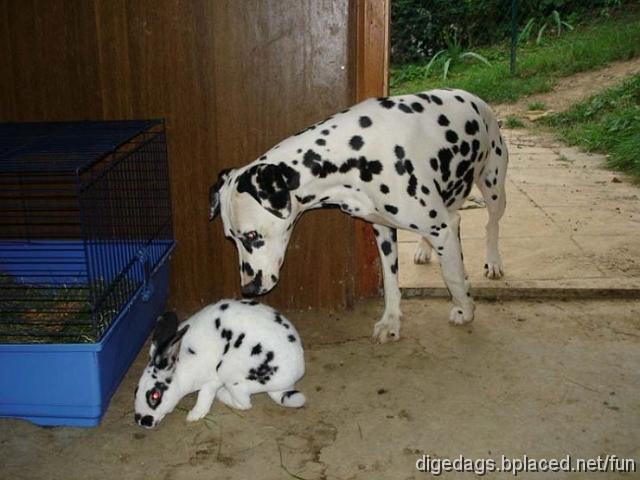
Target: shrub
{"type": "Point", "coordinates": [420, 28]}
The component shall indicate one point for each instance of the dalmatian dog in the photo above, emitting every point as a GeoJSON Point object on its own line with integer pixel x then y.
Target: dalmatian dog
{"type": "Point", "coordinates": [404, 162]}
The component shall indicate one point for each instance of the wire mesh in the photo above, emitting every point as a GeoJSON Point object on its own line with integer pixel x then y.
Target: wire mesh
{"type": "Point", "coordinates": [85, 218]}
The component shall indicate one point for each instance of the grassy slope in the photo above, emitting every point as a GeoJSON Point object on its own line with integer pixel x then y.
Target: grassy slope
{"type": "Point", "coordinates": [608, 122]}
{"type": "Point", "coordinates": [587, 47]}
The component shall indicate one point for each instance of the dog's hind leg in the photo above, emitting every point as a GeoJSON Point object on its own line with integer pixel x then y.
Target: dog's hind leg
{"type": "Point", "coordinates": [388, 328]}
{"type": "Point", "coordinates": [492, 185]}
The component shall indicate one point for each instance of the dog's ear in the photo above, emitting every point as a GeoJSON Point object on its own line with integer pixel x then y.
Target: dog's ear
{"type": "Point", "coordinates": [271, 186]}
{"type": "Point", "coordinates": [214, 194]}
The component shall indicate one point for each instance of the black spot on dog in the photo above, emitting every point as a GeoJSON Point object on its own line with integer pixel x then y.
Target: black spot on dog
{"type": "Point", "coordinates": [394, 266]}
{"type": "Point", "coordinates": [317, 165]}
{"type": "Point", "coordinates": [459, 98]}
{"type": "Point", "coordinates": [445, 155]}
{"type": "Point", "coordinates": [462, 168]}
{"type": "Point", "coordinates": [226, 334]}
{"type": "Point", "coordinates": [226, 349]}
{"type": "Point", "coordinates": [424, 96]}
{"type": "Point", "coordinates": [238, 341]}
{"type": "Point", "coordinates": [356, 142]}
{"type": "Point", "coordinates": [437, 100]}
{"type": "Point", "coordinates": [306, 199]}
{"type": "Point", "coordinates": [464, 148]}
{"type": "Point", "coordinates": [367, 168]}
{"type": "Point", "coordinates": [391, 209]}
{"type": "Point", "coordinates": [417, 107]}
{"type": "Point", "coordinates": [219, 365]}
{"type": "Point", "coordinates": [386, 247]}
{"type": "Point", "coordinates": [494, 197]}
{"type": "Point", "coordinates": [487, 182]}
{"type": "Point", "coordinates": [321, 142]}
{"type": "Point", "coordinates": [384, 189]}
{"type": "Point", "coordinates": [498, 151]}
{"type": "Point", "coordinates": [191, 351]}
{"type": "Point", "coordinates": [433, 213]}
{"type": "Point", "coordinates": [217, 323]}
{"type": "Point", "coordinates": [257, 349]}
{"type": "Point", "coordinates": [475, 107]}
{"type": "Point", "coordinates": [451, 136]}
{"type": "Point", "coordinates": [413, 225]}
{"type": "Point", "coordinates": [434, 164]}
{"type": "Point", "coordinates": [386, 102]}
{"type": "Point", "coordinates": [291, 338]}
{"type": "Point", "coordinates": [246, 268]}
{"type": "Point", "coordinates": [471, 127]}
{"type": "Point", "coordinates": [224, 306]}
{"type": "Point", "coordinates": [411, 187]}
{"type": "Point", "coordinates": [443, 120]}
{"type": "Point", "coordinates": [399, 151]}
{"type": "Point", "coordinates": [365, 122]}
{"type": "Point", "coordinates": [404, 108]}
{"type": "Point", "coordinates": [424, 190]}
{"type": "Point", "coordinates": [323, 132]}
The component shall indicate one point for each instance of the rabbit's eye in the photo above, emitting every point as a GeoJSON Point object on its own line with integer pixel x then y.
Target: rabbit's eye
{"type": "Point", "coordinates": [154, 397]}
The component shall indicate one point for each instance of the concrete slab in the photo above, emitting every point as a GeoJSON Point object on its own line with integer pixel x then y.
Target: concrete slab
{"type": "Point", "coordinates": [568, 225]}
{"type": "Point", "coordinates": [538, 378]}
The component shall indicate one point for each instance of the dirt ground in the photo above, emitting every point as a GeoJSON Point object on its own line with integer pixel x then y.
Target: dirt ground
{"type": "Point", "coordinates": [574, 88]}
{"type": "Point", "coordinates": [543, 378]}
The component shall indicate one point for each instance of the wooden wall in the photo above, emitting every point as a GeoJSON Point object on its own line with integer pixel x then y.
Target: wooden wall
{"type": "Point", "coordinates": [230, 77]}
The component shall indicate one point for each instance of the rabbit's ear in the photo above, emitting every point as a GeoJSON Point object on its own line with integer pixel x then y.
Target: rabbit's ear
{"type": "Point", "coordinates": [166, 328]}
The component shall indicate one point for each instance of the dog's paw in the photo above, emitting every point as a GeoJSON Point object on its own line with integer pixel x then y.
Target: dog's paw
{"type": "Point", "coordinates": [387, 329]}
{"type": "Point", "coordinates": [493, 270]}
{"type": "Point", "coordinates": [460, 316]}
{"type": "Point", "coordinates": [422, 255]}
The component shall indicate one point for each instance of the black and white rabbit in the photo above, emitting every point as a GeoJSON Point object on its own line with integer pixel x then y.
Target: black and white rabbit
{"type": "Point", "coordinates": [229, 350]}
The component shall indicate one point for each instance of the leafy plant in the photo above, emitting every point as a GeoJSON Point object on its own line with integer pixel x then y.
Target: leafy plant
{"type": "Point", "coordinates": [453, 53]}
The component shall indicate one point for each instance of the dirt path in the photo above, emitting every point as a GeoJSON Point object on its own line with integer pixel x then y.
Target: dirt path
{"type": "Point", "coordinates": [570, 90]}
{"type": "Point", "coordinates": [572, 228]}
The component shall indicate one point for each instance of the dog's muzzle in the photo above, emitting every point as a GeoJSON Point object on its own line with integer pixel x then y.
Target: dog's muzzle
{"type": "Point", "coordinates": [254, 287]}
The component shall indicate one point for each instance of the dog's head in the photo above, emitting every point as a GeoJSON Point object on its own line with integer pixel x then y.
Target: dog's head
{"type": "Point", "coordinates": [258, 214]}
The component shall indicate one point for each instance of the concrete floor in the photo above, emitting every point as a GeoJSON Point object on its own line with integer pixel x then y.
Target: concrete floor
{"type": "Point", "coordinates": [570, 226]}
{"type": "Point", "coordinates": [541, 378]}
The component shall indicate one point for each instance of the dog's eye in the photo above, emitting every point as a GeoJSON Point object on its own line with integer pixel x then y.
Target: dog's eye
{"type": "Point", "coordinates": [251, 236]}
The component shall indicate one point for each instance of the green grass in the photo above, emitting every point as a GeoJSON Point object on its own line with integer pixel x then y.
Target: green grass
{"type": "Point", "coordinates": [608, 123]}
{"type": "Point", "coordinates": [513, 122]}
{"type": "Point", "coordinates": [587, 47]}
{"type": "Point", "coordinates": [537, 105]}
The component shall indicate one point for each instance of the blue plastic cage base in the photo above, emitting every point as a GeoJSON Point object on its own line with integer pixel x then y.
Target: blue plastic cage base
{"type": "Point", "coordinates": [72, 384]}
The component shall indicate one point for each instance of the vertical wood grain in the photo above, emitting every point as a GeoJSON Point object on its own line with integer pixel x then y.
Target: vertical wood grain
{"type": "Point", "coordinates": [230, 78]}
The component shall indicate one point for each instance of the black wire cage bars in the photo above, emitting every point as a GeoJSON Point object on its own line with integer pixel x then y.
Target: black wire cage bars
{"type": "Point", "coordinates": [85, 219]}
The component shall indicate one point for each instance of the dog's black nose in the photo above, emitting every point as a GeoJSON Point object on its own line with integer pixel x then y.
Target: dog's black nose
{"type": "Point", "coordinates": [250, 290]}
{"type": "Point", "coordinates": [254, 287]}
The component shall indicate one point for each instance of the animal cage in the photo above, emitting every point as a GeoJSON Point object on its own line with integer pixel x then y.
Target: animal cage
{"type": "Point", "coordinates": [85, 237]}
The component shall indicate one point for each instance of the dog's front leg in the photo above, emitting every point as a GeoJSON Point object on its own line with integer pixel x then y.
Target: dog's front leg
{"type": "Point", "coordinates": [388, 328]}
